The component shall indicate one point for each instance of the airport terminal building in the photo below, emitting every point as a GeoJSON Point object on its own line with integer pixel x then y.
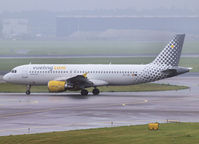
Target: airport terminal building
{"type": "Point", "coordinates": [67, 25]}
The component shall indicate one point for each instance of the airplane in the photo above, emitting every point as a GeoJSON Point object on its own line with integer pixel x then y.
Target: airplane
{"type": "Point", "coordinates": [74, 77]}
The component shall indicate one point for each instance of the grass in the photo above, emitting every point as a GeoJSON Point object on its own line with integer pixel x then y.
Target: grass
{"type": "Point", "coordinates": [13, 88]}
{"type": "Point", "coordinates": [87, 47]}
{"type": "Point", "coordinates": [25, 48]}
{"type": "Point", "coordinates": [8, 64]}
{"type": "Point", "coordinates": [190, 62]}
{"type": "Point", "coordinates": [173, 133]}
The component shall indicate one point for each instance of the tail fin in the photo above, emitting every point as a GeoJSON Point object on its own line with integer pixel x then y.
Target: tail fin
{"type": "Point", "coordinates": [170, 55]}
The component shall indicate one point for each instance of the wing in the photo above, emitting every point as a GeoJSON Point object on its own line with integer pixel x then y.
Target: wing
{"type": "Point", "coordinates": [80, 82]}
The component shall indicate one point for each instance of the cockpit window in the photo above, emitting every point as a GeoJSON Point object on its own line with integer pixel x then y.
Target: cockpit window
{"type": "Point", "coordinates": [13, 71]}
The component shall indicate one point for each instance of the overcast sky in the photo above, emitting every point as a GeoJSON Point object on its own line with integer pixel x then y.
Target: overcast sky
{"type": "Point", "coordinates": [63, 5]}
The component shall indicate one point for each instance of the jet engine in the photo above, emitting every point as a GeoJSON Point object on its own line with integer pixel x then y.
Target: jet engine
{"type": "Point", "coordinates": [57, 86]}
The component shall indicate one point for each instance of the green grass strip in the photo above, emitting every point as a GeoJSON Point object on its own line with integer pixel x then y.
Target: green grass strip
{"type": "Point", "coordinates": [172, 133]}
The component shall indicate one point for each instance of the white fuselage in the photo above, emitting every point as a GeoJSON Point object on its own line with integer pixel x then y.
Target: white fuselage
{"type": "Point", "coordinates": [41, 74]}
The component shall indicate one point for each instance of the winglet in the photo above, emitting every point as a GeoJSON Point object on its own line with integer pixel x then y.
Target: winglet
{"type": "Point", "coordinates": [190, 68]}
{"type": "Point", "coordinates": [85, 75]}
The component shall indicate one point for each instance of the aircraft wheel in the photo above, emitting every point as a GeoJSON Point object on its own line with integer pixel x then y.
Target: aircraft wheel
{"type": "Point", "coordinates": [28, 92]}
{"type": "Point", "coordinates": [28, 89]}
{"type": "Point", "coordinates": [84, 92]}
{"type": "Point", "coordinates": [96, 91]}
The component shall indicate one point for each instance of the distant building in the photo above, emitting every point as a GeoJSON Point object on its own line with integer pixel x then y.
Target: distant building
{"type": "Point", "coordinates": [14, 28]}
{"type": "Point", "coordinates": [67, 25]}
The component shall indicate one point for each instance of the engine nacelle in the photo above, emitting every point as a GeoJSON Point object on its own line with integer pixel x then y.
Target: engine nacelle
{"type": "Point", "coordinates": [56, 86]}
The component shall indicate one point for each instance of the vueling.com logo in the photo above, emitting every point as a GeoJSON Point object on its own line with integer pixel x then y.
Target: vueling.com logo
{"type": "Point", "coordinates": [59, 67]}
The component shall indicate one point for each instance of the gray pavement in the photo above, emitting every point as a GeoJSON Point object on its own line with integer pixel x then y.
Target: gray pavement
{"type": "Point", "coordinates": [20, 114]}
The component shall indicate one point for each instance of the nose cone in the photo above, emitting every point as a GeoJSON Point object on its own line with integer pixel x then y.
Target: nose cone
{"type": "Point", "coordinates": [6, 77]}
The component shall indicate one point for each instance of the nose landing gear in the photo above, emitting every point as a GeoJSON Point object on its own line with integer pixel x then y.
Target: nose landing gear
{"type": "Point", "coordinates": [28, 90]}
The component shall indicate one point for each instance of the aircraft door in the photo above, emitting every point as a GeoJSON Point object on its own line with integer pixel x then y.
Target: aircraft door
{"type": "Point", "coordinates": [25, 73]}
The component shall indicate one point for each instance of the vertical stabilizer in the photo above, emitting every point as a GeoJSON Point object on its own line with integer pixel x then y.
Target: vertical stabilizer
{"type": "Point", "coordinates": [170, 55]}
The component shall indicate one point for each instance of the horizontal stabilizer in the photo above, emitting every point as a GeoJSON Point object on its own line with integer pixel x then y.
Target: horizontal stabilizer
{"type": "Point", "coordinates": [175, 71]}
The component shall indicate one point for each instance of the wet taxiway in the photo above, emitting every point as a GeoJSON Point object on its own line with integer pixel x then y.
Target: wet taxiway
{"type": "Point", "coordinates": [20, 114]}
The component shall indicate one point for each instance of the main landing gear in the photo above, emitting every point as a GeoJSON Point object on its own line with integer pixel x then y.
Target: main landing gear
{"type": "Point", "coordinates": [95, 91]}
{"type": "Point", "coordinates": [84, 92]}
{"type": "Point", "coordinates": [28, 89]}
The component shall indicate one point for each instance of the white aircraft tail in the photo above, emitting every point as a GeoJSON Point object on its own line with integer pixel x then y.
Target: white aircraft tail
{"type": "Point", "coordinates": [170, 55]}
